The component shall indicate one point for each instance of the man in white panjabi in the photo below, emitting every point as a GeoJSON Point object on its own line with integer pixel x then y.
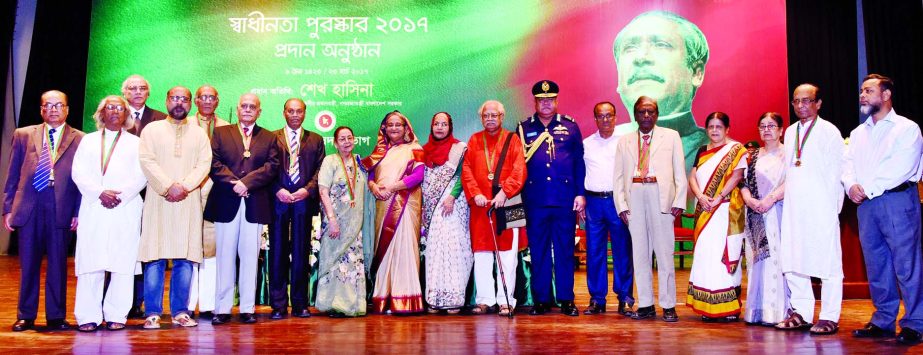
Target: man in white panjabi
{"type": "Point", "coordinates": [107, 172]}
{"type": "Point", "coordinates": [810, 226]}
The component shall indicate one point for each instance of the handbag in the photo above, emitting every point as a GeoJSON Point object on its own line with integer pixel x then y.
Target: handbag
{"type": "Point", "coordinates": [513, 212]}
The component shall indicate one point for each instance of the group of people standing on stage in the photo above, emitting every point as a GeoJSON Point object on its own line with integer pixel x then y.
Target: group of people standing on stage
{"type": "Point", "coordinates": [211, 187]}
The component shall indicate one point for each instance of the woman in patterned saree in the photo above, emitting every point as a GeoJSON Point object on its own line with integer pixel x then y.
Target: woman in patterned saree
{"type": "Point", "coordinates": [395, 169]}
{"type": "Point", "coordinates": [448, 257]}
{"type": "Point", "coordinates": [762, 191]}
{"type": "Point", "coordinates": [714, 281]}
{"type": "Point", "coordinates": [341, 272]}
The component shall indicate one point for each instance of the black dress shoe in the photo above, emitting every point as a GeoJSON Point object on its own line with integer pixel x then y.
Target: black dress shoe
{"type": "Point", "coordinates": [595, 308]}
{"type": "Point", "coordinates": [538, 309]}
{"type": "Point", "coordinates": [247, 318]}
{"type": "Point", "coordinates": [206, 315]}
{"type": "Point", "coordinates": [872, 331]}
{"type": "Point", "coordinates": [569, 308]}
{"type": "Point", "coordinates": [908, 337]}
{"type": "Point", "coordinates": [302, 313]}
{"type": "Point", "coordinates": [58, 324]}
{"type": "Point", "coordinates": [644, 313]}
{"type": "Point", "coordinates": [276, 314]}
{"type": "Point", "coordinates": [220, 319]}
{"type": "Point", "coordinates": [135, 313]}
{"type": "Point", "coordinates": [669, 315]}
{"type": "Point", "coordinates": [23, 324]}
{"type": "Point", "coordinates": [625, 308]}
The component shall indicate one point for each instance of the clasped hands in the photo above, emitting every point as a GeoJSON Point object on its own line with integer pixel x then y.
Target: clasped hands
{"type": "Point", "coordinates": [498, 201]}
{"type": "Point", "coordinates": [381, 192]}
{"type": "Point", "coordinates": [709, 203]}
{"type": "Point", "coordinates": [291, 197]}
{"type": "Point", "coordinates": [176, 193]}
{"type": "Point", "coordinates": [110, 198]}
{"type": "Point", "coordinates": [626, 215]}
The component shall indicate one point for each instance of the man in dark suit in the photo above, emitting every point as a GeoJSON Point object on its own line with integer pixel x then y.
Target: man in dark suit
{"type": "Point", "coordinates": [301, 153]}
{"type": "Point", "coordinates": [245, 159]}
{"type": "Point", "coordinates": [42, 202]}
{"type": "Point", "coordinates": [136, 90]}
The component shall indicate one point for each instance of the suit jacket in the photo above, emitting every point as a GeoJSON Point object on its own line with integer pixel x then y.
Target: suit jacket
{"type": "Point", "coordinates": [256, 172]}
{"type": "Point", "coordinates": [311, 153]}
{"type": "Point", "coordinates": [667, 160]}
{"type": "Point", "coordinates": [20, 195]}
{"type": "Point", "coordinates": [149, 115]}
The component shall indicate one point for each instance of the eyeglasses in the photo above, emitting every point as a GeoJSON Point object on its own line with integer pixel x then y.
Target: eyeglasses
{"type": "Point", "coordinates": [491, 115]}
{"type": "Point", "coordinates": [182, 99]}
{"type": "Point", "coordinates": [113, 107]}
{"type": "Point", "coordinates": [606, 117]}
{"type": "Point", "coordinates": [137, 88]}
{"type": "Point", "coordinates": [208, 98]}
{"type": "Point", "coordinates": [251, 107]}
{"type": "Point", "coordinates": [294, 112]}
{"type": "Point", "coordinates": [57, 105]}
{"type": "Point", "coordinates": [768, 127]}
{"type": "Point", "coordinates": [804, 102]}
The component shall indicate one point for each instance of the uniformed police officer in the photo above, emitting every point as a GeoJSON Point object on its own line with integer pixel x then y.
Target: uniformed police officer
{"type": "Point", "coordinates": [552, 196]}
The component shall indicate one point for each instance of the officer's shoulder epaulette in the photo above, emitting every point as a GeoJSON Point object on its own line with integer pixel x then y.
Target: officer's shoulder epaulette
{"type": "Point", "coordinates": [566, 117]}
{"type": "Point", "coordinates": [526, 119]}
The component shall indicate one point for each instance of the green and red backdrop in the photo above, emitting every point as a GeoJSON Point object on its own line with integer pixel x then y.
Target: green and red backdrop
{"type": "Point", "coordinates": [352, 62]}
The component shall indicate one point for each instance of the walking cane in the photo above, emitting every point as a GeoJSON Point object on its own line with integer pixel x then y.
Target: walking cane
{"type": "Point", "coordinates": [493, 232]}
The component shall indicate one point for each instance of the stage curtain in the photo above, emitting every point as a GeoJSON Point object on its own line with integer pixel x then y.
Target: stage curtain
{"type": "Point", "coordinates": [894, 48]}
{"type": "Point", "coordinates": [823, 50]}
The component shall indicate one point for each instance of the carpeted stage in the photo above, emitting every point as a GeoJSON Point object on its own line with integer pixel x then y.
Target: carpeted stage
{"type": "Point", "coordinates": [552, 333]}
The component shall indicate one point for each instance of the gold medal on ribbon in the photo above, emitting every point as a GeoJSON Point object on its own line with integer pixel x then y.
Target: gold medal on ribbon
{"type": "Point", "coordinates": [490, 176]}
{"type": "Point", "coordinates": [798, 163]}
{"type": "Point", "coordinates": [246, 154]}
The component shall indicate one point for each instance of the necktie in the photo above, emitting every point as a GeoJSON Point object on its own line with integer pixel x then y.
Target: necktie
{"type": "Point", "coordinates": [293, 171]}
{"type": "Point", "coordinates": [644, 163]}
{"type": "Point", "coordinates": [137, 121]}
{"type": "Point", "coordinates": [42, 177]}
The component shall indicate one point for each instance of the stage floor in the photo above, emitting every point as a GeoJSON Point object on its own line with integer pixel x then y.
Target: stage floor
{"type": "Point", "coordinates": [552, 333]}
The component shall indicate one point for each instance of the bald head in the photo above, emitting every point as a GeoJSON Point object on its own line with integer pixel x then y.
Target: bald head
{"type": "Point", "coordinates": [248, 109]}
{"type": "Point", "coordinates": [179, 101]}
{"type": "Point", "coordinates": [54, 108]}
{"type": "Point", "coordinates": [206, 100]}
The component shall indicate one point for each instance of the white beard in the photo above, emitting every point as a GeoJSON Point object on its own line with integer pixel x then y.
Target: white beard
{"type": "Point", "coordinates": [868, 109]}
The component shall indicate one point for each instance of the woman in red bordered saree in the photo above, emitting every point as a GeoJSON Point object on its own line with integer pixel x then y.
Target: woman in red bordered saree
{"type": "Point", "coordinates": [714, 281]}
{"type": "Point", "coordinates": [395, 169]}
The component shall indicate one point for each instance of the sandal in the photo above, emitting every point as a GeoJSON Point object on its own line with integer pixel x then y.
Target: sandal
{"type": "Point", "coordinates": [505, 310]}
{"type": "Point", "coordinates": [184, 320]}
{"type": "Point", "coordinates": [793, 322]}
{"type": "Point", "coordinates": [825, 327]}
{"type": "Point", "coordinates": [88, 327]}
{"type": "Point", "coordinates": [431, 310]}
{"type": "Point", "coordinates": [115, 325]}
{"type": "Point", "coordinates": [480, 309]}
{"type": "Point", "coordinates": [453, 311]}
{"type": "Point", "coordinates": [152, 322]}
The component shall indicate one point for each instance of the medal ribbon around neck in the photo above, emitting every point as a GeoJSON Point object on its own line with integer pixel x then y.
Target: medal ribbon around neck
{"type": "Point", "coordinates": [490, 159]}
{"type": "Point", "coordinates": [246, 138]}
{"type": "Point", "coordinates": [350, 181]}
{"type": "Point", "coordinates": [799, 143]}
{"type": "Point", "coordinates": [105, 157]}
